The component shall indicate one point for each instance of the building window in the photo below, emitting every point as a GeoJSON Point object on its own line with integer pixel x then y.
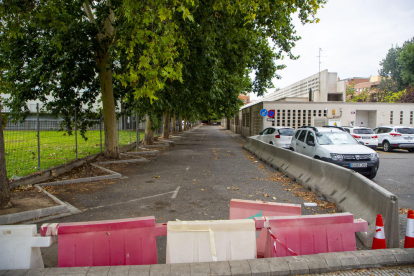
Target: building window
{"type": "Point", "coordinates": [401, 117]}
{"type": "Point", "coordinates": [247, 119]}
{"type": "Point", "coordinates": [411, 117]}
{"type": "Point", "coordinates": [320, 113]}
{"type": "Point", "coordinates": [391, 117]}
{"type": "Point", "coordinates": [324, 113]}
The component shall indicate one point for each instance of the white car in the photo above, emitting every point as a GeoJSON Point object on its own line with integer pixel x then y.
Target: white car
{"type": "Point", "coordinates": [277, 136]}
{"type": "Point", "coordinates": [332, 144]}
{"type": "Point", "coordinates": [395, 137]}
{"type": "Point", "coordinates": [364, 135]}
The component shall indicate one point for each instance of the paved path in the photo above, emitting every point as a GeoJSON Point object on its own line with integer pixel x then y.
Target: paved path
{"type": "Point", "coordinates": [203, 172]}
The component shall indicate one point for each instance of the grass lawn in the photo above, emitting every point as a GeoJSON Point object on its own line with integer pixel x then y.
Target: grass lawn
{"type": "Point", "coordinates": [56, 148]}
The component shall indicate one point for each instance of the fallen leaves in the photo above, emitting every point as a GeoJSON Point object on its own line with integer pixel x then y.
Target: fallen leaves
{"type": "Point", "coordinates": [404, 210]}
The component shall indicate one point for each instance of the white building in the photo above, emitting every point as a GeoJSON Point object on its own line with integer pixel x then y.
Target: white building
{"type": "Point", "coordinates": [294, 108]}
{"type": "Point", "coordinates": [320, 87]}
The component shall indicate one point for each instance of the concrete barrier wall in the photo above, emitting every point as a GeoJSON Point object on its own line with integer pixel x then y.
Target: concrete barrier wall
{"type": "Point", "coordinates": [350, 191]}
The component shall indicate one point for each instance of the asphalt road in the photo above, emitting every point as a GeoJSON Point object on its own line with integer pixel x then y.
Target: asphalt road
{"type": "Point", "coordinates": [209, 167]}
{"type": "Point", "coordinates": [396, 174]}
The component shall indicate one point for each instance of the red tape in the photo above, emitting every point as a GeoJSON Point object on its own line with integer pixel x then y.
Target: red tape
{"type": "Point", "coordinates": [276, 239]}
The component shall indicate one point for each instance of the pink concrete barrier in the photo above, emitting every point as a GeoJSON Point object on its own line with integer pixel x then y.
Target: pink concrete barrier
{"type": "Point", "coordinates": [107, 243]}
{"type": "Point", "coordinates": [248, 209]}
{"type": "Point", "coordinates": [306, 235]}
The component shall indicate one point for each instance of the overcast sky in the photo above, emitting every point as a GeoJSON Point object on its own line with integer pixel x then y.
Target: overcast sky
{"type": "Point", "coordinates": [354, 35]}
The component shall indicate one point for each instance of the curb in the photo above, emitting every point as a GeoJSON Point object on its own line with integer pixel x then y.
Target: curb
{"type": "Point", "coordinates": [296, 265]}
{"type": "Point", "coordinates": [157, 146]}
{"type": "Point", "coordinates": [145, 152]}
{"type": "Point", "coordinates": [62, 209]}
{"type": "Point", "coordinates": [32, 214]}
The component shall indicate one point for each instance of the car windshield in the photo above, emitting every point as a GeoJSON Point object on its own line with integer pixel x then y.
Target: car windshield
{"type": "Point", "coordinates": [335, 138]}
{"type": "Point", "coordinates": [363, 131]}
{"type": "Point", "coordinates": [286, 131]}
{"type": "Point", "coordinates": [405, 130]}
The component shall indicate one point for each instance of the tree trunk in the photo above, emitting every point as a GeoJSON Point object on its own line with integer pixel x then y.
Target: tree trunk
{"type": "Point", "coordinates": [4, 181]}
{"type": "Point", "coordinates": [180, 124]}
{"type": "Point", "coordinates": [185, 124]}
{"type": "Point", "coordinates": [105, 79]}
{"type": "Point", "coordinates": [173, 126]}
{"type": "Point", "coordinates": [166, 124]}
{"type": "Point", "coordinates": [149, 134]}
{"type": "Point", "coordinates": [108, 104]}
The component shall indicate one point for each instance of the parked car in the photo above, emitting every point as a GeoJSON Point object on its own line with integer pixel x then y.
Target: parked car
{"type": "Point", "coordinates": [364, 135]}
{"type": "Point", "coordinates": [395, 137]}
{"type": "Point", "coordinates": [336, 146]}
{"type": "Point", "coordinates": [277, 136]}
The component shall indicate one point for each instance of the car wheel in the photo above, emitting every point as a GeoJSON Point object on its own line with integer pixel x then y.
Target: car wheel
{"type": "Point", "coordinates": [410, 150]}
{"type": "Point", "coordinates": [372, 175]}
{"type": "Point", "coordinates": [271, 142]}
{"type": "Point", "coordinates": [387, 147]}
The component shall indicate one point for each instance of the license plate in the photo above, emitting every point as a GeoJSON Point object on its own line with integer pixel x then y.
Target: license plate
{"type": "Point", "coordinates": [358, 165]}
{"type": "Point", "coordinates": [408, 138]}
{"type": "Point", "coordinates": [366, 137]}
{"type": "Point", "coordinates": [287, 145]}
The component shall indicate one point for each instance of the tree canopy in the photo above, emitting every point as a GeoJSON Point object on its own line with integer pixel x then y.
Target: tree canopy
{"type": "Point", "coordinates": [190, 58]}
{"type": "Point", "coordinates": [398, 69]}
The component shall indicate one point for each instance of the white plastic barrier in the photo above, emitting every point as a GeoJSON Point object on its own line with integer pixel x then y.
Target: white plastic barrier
{"type": "Point", "coordinates": [19, 247]}
{"type": "Point", "coordinates": [207, 241]}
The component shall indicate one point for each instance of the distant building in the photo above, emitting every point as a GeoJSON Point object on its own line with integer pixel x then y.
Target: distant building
{"type": "Point", "coordinates": [245, 98]}
{"type": "Point", "coordinates": [319, 101]}
{"type": "Point", "coordinates": [371, 85]}
{"type": "Point", "coordinates": [355, 80]}
{"type": "Point", "coordinates": [320, 87]}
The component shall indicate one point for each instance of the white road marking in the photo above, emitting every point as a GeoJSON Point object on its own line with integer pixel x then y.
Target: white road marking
{"type": "Point", "coordinates": [176, 192]}
{"type": "Point", "coordinates": [129, 201]}
{"type": "Point", "coordinates": [187, 168]}
{"type": "Point", "coordinates": [395, 181]}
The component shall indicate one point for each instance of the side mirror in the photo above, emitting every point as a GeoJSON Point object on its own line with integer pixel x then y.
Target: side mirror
{"type": "Point", "coordinates": [362, 143]}
{"type": "Point", "coordinates": [310, 143]}
{"type": "Point", "coordinates": [261, 133]}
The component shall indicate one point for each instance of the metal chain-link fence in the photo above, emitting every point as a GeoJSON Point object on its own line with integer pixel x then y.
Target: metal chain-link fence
{"type": "Point", "coordinates": [38, 143]}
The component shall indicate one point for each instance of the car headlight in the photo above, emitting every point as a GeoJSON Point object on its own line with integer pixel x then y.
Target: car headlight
{"type": "Point", "coordinates": [374, 156]}
{"type": "Point", "coordinates": [337, 157]}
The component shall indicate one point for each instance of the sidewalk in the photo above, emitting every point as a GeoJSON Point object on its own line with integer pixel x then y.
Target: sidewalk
{"type": "Point", "coordinates": [341, 263]}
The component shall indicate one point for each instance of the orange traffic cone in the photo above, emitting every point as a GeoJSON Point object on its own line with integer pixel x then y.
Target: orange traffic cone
{"type": "Point", "coordinates": [379, 238]}
{"type": "Point", "coordinates": [409, 234]}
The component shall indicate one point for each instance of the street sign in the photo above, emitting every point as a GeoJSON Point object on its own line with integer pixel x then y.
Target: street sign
{"type": "Point", "coordinates": [263, 112]}
{"type": "Point", "coordinates": [271, 119]}
{"type": "Point", "coordinates": [271, 113]}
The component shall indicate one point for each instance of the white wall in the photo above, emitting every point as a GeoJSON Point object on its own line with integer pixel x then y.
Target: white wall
{"type": "Point", "coordinates": [372, 114]}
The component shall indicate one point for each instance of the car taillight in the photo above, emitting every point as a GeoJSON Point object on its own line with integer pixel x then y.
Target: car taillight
{"type": "Point", "coordinates": [374, 137]}
{"type": "Point", "coordinates": [356, 136]}
{"type": "Point", "coordinates": [277, 136]}
{"type": "Point", "coordinates": [395, 134]}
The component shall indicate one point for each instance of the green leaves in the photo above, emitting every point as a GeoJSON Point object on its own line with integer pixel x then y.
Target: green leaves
{"type": "Point", "coordinates": [192, 56]}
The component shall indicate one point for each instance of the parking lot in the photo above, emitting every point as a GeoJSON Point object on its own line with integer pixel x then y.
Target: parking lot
{"type": "Point", "coordinates": [396, 174]}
